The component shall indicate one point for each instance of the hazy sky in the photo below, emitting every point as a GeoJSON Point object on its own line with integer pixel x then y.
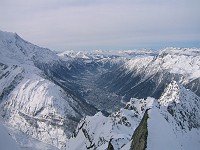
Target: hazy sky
{"type": "Point", "coordinates": [103, 24]}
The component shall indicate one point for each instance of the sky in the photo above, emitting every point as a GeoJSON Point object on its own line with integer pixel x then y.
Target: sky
{"type": "Point", "coordinates": [103, 24]}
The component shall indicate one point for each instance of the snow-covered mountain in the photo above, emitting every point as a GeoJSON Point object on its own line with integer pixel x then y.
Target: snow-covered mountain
{"type": "Point", "coordinates": [31, 99]}
{"type": "Point", "coordinates": [172, 122]}
{"type": "Point", "coordinates": [44, 95]}
{"type": "Point", "coordinates": [101, 54]}
{"type": "Point", "coordinates": [174, 60]}
{"type": "Point", "coordinates": [41, 109]}
{"type": "Point", "coordinates": [149, 75]}
{"type": "Point", "coordinates": [178, 112]}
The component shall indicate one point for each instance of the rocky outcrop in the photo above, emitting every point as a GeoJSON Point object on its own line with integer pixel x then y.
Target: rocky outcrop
{"type": "Point", "coordinates": [139, 138]}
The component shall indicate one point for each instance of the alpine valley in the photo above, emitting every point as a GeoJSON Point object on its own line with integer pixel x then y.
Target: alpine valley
{"type": "Point", "coordinates": [98, 100]}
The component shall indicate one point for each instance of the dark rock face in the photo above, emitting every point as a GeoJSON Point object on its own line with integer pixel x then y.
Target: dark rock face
{"type": "Point", "coordinates": [110, 146]}
{"type": "Point", "coordinates": [5, 72]}
{"type": "Point", "coordinates": [194, 86]}
{"type": "Point", "coordinates": [139, 138]}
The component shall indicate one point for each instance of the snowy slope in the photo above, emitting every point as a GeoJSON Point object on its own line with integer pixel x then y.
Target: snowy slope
{"type": "Point", "coordinates": [98, 131]}
{"type": "Point", "coordinates": [23, 92]}
{"type": "Point", "coordinates": [39, 108]}
{"type": "Point", "coordinates": [172, 123]}
{"type": "Point", "coordinates": [160, 133]}
{"type": "Point", "coordinates": [182, 104]}
{"type": "Point", "coordinates": [31, 99]}
{"type": "Point", "coordinates": [6, 141]}
{"type": "Point", "coordinates": [12, 139]}
{"type": "Point", "coordinates": [178, 114]}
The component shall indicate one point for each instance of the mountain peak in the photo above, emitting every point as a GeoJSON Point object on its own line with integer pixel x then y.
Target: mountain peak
{"type": "Point", "coordinates": [171, 94]}
{"type": "Point", "coordinates": [182, 105]}
{"type": "Point", "coordinates": [15, 50]}
{"type": "Point", "coordinates": [7, 36]}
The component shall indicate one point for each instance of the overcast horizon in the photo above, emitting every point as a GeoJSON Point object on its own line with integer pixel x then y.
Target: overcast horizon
{"type": "Point", "coordinates": [106, 24]}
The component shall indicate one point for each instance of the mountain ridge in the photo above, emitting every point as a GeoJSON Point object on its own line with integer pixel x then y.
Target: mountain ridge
{"type": "Point", "coordinates": [28, 95]}
{"type": "Point", "coordinates": [122, 123]}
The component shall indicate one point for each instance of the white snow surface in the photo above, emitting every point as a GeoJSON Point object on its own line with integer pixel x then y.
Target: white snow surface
{"type": "Point", "coordinates": [6, 140]}
{"type": "Point", "coordinates": [26, 142]}
{"type": "Point", "coordinates": [163, 135]}
{"type": "Point", "coordinates": [160, 133]}
{"type": "Point", "coordinates": [37, 94]}
{"type": "Point", "coordinates": [12, 139]}
{"type": "Point", "coordinates": [174, 121]}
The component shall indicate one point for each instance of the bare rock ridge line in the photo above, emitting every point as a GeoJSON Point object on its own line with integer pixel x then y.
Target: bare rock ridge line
{"type": "Point", "coordinates": [139, 138]}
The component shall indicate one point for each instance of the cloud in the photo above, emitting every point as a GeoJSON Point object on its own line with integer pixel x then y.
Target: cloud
{"type": "Point", "coordinates": [94, 24]}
